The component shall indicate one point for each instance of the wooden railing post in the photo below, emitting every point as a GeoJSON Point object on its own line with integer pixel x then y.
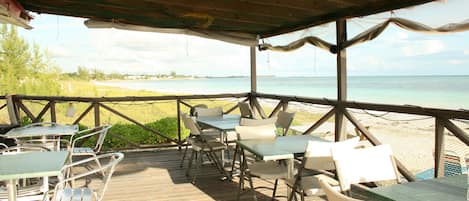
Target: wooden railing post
{"type": "Point", "coordinates": [439, 148]}
{"type": "Point", "coordinates": [97, 119]}
{"type": "Point", "coordinates": [341, 37]}
{"type": "Point", "coordinates": [178, 113]}
{"type": "Point", "coordinates": [53, 114]}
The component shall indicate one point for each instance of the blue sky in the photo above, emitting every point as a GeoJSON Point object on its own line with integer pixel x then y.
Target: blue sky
{"type": "Point", "coordinates": [395, 52]}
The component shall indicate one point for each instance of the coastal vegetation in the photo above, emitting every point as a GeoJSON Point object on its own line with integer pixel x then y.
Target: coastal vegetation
{"type": "Point", "coordinates": [27, 69]}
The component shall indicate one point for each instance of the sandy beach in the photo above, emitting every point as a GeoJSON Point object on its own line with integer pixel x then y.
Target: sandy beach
{"type": "Point", "coordinates": [411, 136]}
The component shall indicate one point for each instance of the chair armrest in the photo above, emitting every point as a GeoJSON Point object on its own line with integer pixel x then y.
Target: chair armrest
{"type": "Point", "coordinates": [74, 141]}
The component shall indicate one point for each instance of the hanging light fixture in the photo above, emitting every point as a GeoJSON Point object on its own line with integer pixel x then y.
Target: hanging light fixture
{"type": "Point", "coordinates": [70, 110]}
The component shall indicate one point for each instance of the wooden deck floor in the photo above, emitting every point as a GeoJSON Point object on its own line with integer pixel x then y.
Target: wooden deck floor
{"type": "Point", "coordinates": [156, 175]}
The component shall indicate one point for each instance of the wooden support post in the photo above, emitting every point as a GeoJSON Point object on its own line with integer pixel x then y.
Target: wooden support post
{"type": "Point", "coordinates": [259, 108]}
{"type": "Point", "coordinates": [439, 148]}
{"type": "Point", "coordinates": [42, 113]}
{"type": "Point", "coordinates": [253, 70]}
{"type": "Point", "coordinates": [25, 110]}
{"type": "Point", "coordinates": [82, 115]}
{"type": "Point", "coordinates": [276, 109]}
{"type": "Point", "coordinates": [285, 106]}
{"type": "Point", "coordinates": [320, 121]}
{"type": "Point", "coordinates": [53, 114]}
{"type": "Point", "coordinates": [178, 113]}
{"type": "Point", "coordinates": [459, 133]}
{"type": "Point", "coordinates": [374, 141]}
{"type": "Point", "coordinates": [97, 120]}
{"type": "Point", "coordinates": [341, 37]}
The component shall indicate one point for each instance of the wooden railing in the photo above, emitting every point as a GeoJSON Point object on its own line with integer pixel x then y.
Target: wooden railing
{"type": "Point", "coordinates": [442, 116]}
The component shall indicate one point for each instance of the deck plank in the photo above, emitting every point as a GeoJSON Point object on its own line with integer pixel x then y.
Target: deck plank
{"type": "Point", "coordinates": [156, 175]}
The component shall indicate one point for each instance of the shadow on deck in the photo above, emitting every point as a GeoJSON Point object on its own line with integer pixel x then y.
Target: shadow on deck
{"type": "Point", "coordinates": [156, 175]}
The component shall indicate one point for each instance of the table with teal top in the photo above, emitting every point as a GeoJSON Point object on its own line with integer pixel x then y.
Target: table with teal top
{"type": "Point", "coordinates": [452, 188]}
{"type": "Point", "coordinates": [41, 131]}
{"type": "Point", "coordinates": [280, 148]}
{"type": "Point", "coordinates": [30, 165]}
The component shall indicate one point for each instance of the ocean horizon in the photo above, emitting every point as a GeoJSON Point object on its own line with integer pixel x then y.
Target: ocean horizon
{"type": "Point", "coordinates": [441, 91]}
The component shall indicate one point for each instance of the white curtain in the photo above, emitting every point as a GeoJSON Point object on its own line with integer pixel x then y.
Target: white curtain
{"type": "Point", "coordinates": [370, 34]}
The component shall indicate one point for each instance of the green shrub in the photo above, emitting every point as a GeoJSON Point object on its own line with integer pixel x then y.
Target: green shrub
{"type": "Point", "coordinates": [138, 135]}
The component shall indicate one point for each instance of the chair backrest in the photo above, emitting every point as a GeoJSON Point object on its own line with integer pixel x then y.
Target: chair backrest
{"type": "Point", "coordinates": [209, 112]}
{"type": "Point", "coordinates": [284, 120]}
{"type": "Point", "coordinates": [364, 165]}
{"type": "Point", "coordinates": [245, 110]}
{"type": "Point", "coordinates": [332, 194]}
{"type": "Point", "coordinates": [100, 132]}
{"type": "Point", "coordinates": [3, 146]}
{"type": "Point", "coordinates": [256, 132]}
{"type": "Point", "coordinates": [454, 163]}
{"type": "Point", "coordinates": [108, 163]}
{"type": "Point", "coordinates": [190, 124]}
{"type": "Point", "coordinates": [257, 122]}
{"type": "Point", "coordinates": [12, 111]}
{"type": "Point", "coordinates": [318, 155]}
{"type": "Point", "coordinates": [193, 108]}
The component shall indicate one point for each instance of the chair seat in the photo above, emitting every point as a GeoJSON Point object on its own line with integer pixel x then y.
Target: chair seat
{"type": "Point", "coordinates": [310, 184]}
{"type": "Point", "coordinates": [268, 170]}
{"type": "Point", "coordinates": [26, 191]}
{"type": "Point", "coordinates": [208, 146]}
{"type": "Point", "coordinates": [82, 150]}
{"type": "Point", "coordinates": [81, 194]}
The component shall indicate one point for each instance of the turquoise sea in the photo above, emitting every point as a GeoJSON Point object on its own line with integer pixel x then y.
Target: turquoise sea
{"type": "Point", "coordinates": [450, 92]}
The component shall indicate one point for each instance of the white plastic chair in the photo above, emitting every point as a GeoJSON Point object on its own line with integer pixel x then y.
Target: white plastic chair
{"type": "Point", "coordinates": [195, 132]}
{"type": "Point", "coordinates": [209, 112]}
{"type": "Point", "coordinates": [371, 164]}
{"type": "Point", "coordinates": [261, 169]}
{"type": "Point", "coordinates": [245, 110]}
{"type": "Point", "coordinates": [63, 191]}
{"type": "Point", "coordinates": [201, 146]}
{"type": "Point", "coordinates": [284, 120]}
{"type": "Point", "coordinates": [318, 157]}
{"type": "Point", "coordinates": [332, 194]}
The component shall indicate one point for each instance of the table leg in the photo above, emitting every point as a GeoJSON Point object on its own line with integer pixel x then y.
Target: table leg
{"type": "Point", "coordinates": [222, 140]}
{"type": "Point", "coordinates": [290, 173]}
{"type": "Point", "coordinates": [11, 186]}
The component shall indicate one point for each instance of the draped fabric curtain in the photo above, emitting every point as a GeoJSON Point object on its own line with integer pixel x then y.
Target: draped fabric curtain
{"type": "Point", "coordinates": [370, 34]}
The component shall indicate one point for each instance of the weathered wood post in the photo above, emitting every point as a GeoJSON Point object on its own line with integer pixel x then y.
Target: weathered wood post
{"type": "Point", "coordinates": [97, 120]}
{"type": "Point", "coordinates": [53, 114]}
{"type": "Point", "coordinates": [178, 113]}
{"type": "Point", "coordinates": [253, 78]}
{"type": "Point", "coordinates": [341, 37]}
{"type": "Point", "coordinates": [439, 148]}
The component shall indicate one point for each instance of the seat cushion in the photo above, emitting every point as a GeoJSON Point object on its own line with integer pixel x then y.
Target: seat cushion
{"type": "Point", "coordinates": [82, 194]}
{"type": "Point", "coordinates": [268, 170]}
{"type": "Point", "coordinates": [208, 146]}
{"type": "Point", "coordinates": [82, 150]}
{"type": "Point", "coordinates": [310, 184]}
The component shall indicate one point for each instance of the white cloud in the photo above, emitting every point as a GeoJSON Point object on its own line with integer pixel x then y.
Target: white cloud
{"type": "Point", "coordinates": [456, 61]}
{"type": "Point", "coordinates": [143, 52]}
{"type": "Point", "coordinates": [425, 47]}
{"type": "Point", "coordinates": [58, 51]}
{"type": "Point", "coordinates": [466, 52]}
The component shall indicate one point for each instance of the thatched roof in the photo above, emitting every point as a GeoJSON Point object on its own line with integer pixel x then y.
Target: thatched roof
{"type": "Point", "coordinates": [258, 17]}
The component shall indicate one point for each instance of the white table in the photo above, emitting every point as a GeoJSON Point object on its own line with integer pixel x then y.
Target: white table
{"type": "Point", "coordinates": [29, 165]}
